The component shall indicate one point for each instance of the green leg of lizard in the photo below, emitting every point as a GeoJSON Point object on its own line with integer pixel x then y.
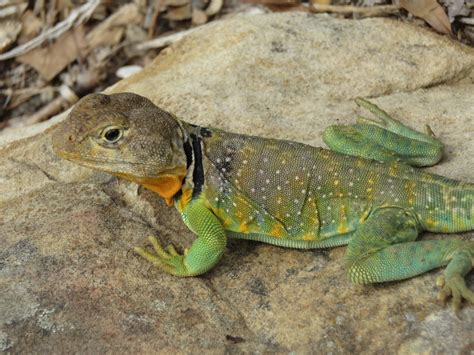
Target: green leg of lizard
{"type": "Point", "coordinates": [384, 249]}
{"type": "Point", "coordinates": [384, 139]}
{"type": "Point", "coordinates": [204, 253]}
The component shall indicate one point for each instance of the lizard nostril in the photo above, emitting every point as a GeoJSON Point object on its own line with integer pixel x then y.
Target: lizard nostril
{"type": "Point", "coordinates": [70, 138]}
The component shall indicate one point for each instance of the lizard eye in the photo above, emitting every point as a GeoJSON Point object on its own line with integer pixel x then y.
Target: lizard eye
{"type": "Point", "coordinates": [112, 134]}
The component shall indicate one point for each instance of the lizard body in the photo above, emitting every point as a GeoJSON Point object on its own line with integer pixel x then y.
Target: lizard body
{"type": "Point", "coordinates": [285, 193]}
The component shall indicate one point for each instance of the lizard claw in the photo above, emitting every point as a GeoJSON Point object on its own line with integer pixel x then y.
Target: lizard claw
{"type": "Point", "coordinates": [168, 260]}
{"type": "Point", "coordinates": [455, 287]}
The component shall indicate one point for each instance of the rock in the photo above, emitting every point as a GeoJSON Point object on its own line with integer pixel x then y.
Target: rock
{"type": "Point", "coordinates": [70, 283]}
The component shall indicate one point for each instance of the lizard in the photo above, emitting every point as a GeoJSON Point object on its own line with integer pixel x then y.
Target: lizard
{"type": "Point", "coordinates": [366, 191]}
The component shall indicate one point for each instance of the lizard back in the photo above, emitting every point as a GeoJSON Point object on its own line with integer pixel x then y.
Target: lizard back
{"type": "Point", "coordinates": [289, 190]}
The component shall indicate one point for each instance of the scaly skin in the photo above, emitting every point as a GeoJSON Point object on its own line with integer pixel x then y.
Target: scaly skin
{"type": "Point", "coordinates": [285, 193]}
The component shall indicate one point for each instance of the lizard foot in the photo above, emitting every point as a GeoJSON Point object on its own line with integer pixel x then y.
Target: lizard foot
{"type": "Point", "coordinates": [455, 287]}
{"type": "Point", "coordinates": [168, 260]}
{"type": "Point", "coordinates": [384, 139]}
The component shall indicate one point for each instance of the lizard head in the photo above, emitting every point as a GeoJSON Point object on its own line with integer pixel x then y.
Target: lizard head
{"type": "Point", "coordinates": [124, 134]}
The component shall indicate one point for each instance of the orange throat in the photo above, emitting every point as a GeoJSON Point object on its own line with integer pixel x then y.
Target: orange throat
{"type": "Point", "coordinates": [166, 186]}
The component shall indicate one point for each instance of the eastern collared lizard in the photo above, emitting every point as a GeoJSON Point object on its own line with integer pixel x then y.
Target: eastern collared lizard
{"type": "Point", "coordinates": [364, 192]}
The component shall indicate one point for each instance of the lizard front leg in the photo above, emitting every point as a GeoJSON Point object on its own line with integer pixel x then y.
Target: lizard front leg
{"type": "Point", "coordinates": [205, 251]}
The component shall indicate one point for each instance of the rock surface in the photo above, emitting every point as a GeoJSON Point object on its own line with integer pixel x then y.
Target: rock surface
{"type": "Point", "coordinates": [70, 283]}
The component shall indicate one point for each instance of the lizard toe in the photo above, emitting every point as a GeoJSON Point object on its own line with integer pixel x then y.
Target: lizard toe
{"type": "Point", "coordinates": [455, 287]}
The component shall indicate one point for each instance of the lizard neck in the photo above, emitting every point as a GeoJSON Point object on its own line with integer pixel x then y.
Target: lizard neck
{"type": "Point", "coordinates": [193, 149]}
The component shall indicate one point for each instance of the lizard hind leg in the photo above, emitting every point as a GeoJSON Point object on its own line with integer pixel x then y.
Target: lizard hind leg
{"type": "Point", "coordinates": [384, 139]}
{"type": "Point", "coordinates": [383, 248]}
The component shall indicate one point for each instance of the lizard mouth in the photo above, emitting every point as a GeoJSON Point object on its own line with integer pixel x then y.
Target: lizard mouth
{"type": "Point", "coordinates": [109, 165]}
{"type": "Point", "coordinates": [121, 168]}
{"type": "Point", "coordinates": [166, 183]}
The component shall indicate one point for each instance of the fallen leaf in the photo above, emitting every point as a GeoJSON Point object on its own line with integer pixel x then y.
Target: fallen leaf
{"type": "Point", "coordinates": [110, 31]}
{"type": "Point", "coordinates": [179, 13]}
{"type": "Point", "coordinates": [431, 12]}
{"type": "Point", "coordinates": [9, 30]}
{"type": "Point", "coordinates": [14, 10]}
{"type": "Point", "coordinates": [51, 60]}
{"type": "Point", "coordinates": [31, 27]}
{"type": "Point", "coordinates": [274, 2]}
{"type": "Point", "coordinates": [323, 2]}
{"type": "Point", "coordinates": [176, 3]}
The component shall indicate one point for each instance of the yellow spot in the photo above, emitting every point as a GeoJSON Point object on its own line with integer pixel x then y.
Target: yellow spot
{"type": "Point", "coordinates": [393, 171]}
{"type": "Point", "coordinates": [410, 191]}
{"type": "Point", "coordinates": [324, 154]}
{"type": "Point", "coordinates": [185, 198]}
{"type": "Point", "coordinates": [342, 228]}
{"type": "Point", "coordinates": [431, 222]}
{"type": "Point", "coordinates": [243, 228]}
{"type": "Point", "coordinates": [276, 230]}
{"type": "Point", "coordinates": [219, 212]}
{"type": "Point", "coordinates": [336, 182]}
{"type": "Point", "coordinates": [226, 222]}
{"type": "Point", "coordinates": [309, 236]}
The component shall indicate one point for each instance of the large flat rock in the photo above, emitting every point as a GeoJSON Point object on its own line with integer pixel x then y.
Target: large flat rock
{"type": "Point", "coordinates": [71, 284]}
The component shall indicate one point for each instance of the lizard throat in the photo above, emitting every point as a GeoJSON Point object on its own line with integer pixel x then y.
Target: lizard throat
{"type": "Point", "coordinates": [166, 185]}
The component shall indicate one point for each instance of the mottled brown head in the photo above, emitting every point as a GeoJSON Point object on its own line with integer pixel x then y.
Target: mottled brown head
{"type": "Point", "coordinates": [124, 134]}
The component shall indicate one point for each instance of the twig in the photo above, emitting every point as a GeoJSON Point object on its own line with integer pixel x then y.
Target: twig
{"type": "Point", "coordinates": [25, 91]}
{"type": "Point", "coordinates": [373, 11]}
{"type": "Point", "coordinates": [77, 16]}
{"type": "Point", "coordinates": [12, 10]}
{"type": "Point", "coordinates": [154, 19]}
{"type": "Point", "coordinates": [19, 96]}
{"type": "Point", "coordinates": [163, 41]}
{"type": "Point", "coordinates": [467, 20]}
{"type": "Point", "coordinates": [66, 99]}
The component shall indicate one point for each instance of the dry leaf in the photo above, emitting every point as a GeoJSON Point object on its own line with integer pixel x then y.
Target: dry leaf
{"type": "Point", "coordinates": [9, 30]}
{"type": "Point", "coordinates": [51, 60]}
{"type": "Point", "coordinates": [274, 2]}
{"type": "Point", "coordinates": [179, 13]}
{"type": "Point", "coordinates": [322, 2]}
{"type": "Point", "coordinates": [14, 10]}
{"type": "Point", "coordinates": [31, 27]}
{"type": "Point", "coordinates": [176, 3]}
{"type": "Point", "coordinates": [430, 11]}
{"type": "Point", "coordinates": [110, 31]}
